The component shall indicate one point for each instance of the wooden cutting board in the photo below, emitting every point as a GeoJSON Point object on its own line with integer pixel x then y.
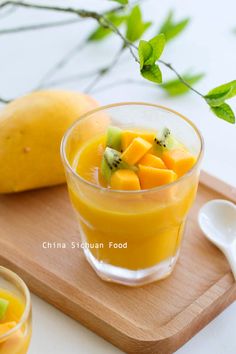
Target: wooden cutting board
{"type": "Point", "coordinates": [154, 319]}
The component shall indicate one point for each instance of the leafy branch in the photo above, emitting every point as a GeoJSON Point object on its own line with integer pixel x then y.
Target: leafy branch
{"type": "Point", "coordinates": [147, 53]}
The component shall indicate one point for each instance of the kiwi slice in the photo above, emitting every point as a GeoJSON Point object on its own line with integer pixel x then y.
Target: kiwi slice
{"type": "Point", "coordinates": [111, 162]}
{"type": "Point", "coordinates": [114, 138]}
{"type": "Point", "coordinates": [3, 307]}
{"type": "Point", "coordinates": [165, 141]}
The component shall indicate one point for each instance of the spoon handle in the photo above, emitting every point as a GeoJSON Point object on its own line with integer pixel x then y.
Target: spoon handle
{"type": "Point", "coordinates": [231, 256]}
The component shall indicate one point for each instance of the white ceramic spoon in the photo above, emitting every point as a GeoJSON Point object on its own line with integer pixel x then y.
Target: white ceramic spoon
{"type": "Point", "coordinates": [217, 219]}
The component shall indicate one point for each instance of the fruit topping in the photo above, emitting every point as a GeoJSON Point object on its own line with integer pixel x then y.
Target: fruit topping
{"type": "Point", "coordinates": [125, 180]}
{"type": "Point", "coordinates": [128, 136]}
{"type": "Point", "coordinates": [3, 307]}
{"type": "Point", "coordinates": [136, 150]}
{"type": "Point", "coordinates": [148, 160]}
{"type": "Point", "coordinates": [165, 141]}
{"type": "Point", "coordinates": [151, 177]}
{"type": "Point", "coordinates": [111, 162]}
{"type": "Point", "coordinates": [179, 160]}
{"type": "Point", "coordinates": [114, 138]}
{"type": "Point", "coordinates": [152, 161]}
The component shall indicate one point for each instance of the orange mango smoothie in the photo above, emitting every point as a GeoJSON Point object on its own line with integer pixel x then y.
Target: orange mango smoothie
{"type": "Point", "coordinates": [18, 341]}
{"type": "Point", "coordinates": [143, 226]}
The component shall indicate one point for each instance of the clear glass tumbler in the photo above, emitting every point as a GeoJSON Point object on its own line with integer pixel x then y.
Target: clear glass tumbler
{"type": "Point", "coordinates": [17, 339]}
{"type": "Point", "coordinates": [131, 237]}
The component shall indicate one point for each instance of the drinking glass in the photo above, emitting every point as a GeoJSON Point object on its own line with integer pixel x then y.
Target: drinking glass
{"type": "Point", "coordinates": [17, 339]}
{"type": "Point", "coordinates": [131, 237]}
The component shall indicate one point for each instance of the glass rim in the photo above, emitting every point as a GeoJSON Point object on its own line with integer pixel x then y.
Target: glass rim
{"type": "Point", "coordinates": [26, 313]}
{"type": "Point", "coordinates": [120, 104]}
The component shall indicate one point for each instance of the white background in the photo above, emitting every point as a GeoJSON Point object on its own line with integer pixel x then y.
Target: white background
{"type": "Point", "coordinates": [209, 45]}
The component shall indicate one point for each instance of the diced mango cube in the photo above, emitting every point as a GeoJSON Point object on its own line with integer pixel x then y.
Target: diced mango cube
{"type": "Point", "coordinates": [152, 161]}
{"type": "Point", "coordinates": [151, 177]}
{"type": "Point", "coordinates": [5, 327]}
{"type": "Point", "coordinates": [124, 180]}
{"type": "Point", "coordinates": [179, 161]}
{"type": "Point", "coordinates": [136, 150]}
{"type": "Point", "coordinates": [128, 136]}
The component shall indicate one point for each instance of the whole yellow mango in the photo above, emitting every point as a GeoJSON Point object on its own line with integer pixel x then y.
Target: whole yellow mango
{"type": "Point", "coordinates": [31, 129]}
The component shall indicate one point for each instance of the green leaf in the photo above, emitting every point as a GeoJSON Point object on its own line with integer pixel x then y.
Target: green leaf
{"type": "Point", "coordinates": [149, 52]}
{"type": "Point", "coordinates": [101, 32]}
{"type": "Point", "coordinates": [122, 2]}
{"type": "Point", "coordinates": [224, 112]}
{"type": "Point", "coordinates": [146, 25]}
{"type": "Point", "coordinates": [176, 87]}
{"type": "Point", "coordinates": [221, 93]}
{"type": "Point", "coordinates": [135, 25]}
{"type": "Point", "coordinates": [216, 99]}
{"type": "Point", "coordinates": [152, 73]}
{"type": "Point", "coordinates": [158, 45]}
{"type": "Point", "coordinates": [172, 29]}
{"type": "Point", "coordinates": [145, 52]}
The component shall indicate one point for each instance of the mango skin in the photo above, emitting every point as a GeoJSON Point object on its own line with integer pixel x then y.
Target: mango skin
{"type": "Point", "coordinates": [31, 129]}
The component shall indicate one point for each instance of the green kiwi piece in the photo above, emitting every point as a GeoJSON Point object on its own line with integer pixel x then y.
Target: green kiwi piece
{"type": "Point", "coordinates": [105, 169]}
{"type": "Point", "coordinates": [166, 141]}
{"type": "Point", "coordinates": [3, 307]}
{"type": "Point", "coordinates": [111, 162]}
{"type": "Point", "coordinates": [114, 138]}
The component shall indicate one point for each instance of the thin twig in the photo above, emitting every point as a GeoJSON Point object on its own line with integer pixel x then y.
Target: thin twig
{"type": "Point", "coordinates": [169, 66]}
{"type": "Point", "coordinates": [126, 43]}
{"type": "Point", "coordinates": [101, 18]}
{"type": "Point", "coordinates": [8, 12]}
{"type": "Point", "coordinates": [38, 26]}
{"type": "Point", "coordinates": [132, 46]}
{"type": "Point", "coordinates": [103, 72]}
{"type": "Point", "coordinates": [79, 12]}
{"type": "Point", "coordinates": [64, 60]}
{"type": "Point", "coordinates": [124, 82]}
{"type": "Point", "coordinates": [72, 78]}
{"type": "Point", "coordinates": [71, 53]}
{"type": "Point", "coordinates": [3, 100]}
{"type": "Point", "coordinates": [104, 22]}
{"type": "Point", "coordinates": [45, 25]}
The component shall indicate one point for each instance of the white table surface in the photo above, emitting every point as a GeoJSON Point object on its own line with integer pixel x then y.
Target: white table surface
{"type": "Point", "coordinates": [208, 46]}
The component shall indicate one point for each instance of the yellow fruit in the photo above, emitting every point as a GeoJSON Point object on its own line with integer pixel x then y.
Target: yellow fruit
{"type": "Point", "coordinates": [152, 161]}
{"type": "Point", "coordinates": [136, 150]}
{"type": "Point", "coordinates": [179, 160]}
{"type": "Point", "coordinates": [151, 177]}
{"type": "Point", "coordinates": [129, 135]}
{"type": "Point", "coordinates": [124, 180]}
{"type": "Point", "coordinates": [31, 129]}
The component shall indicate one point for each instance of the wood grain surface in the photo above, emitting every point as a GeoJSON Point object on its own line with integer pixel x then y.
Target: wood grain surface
{"type": "Point", "coordinates": [154, 319]}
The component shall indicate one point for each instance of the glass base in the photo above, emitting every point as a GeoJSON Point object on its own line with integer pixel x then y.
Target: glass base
{"type": "Point", "coordinates": [128, 277]}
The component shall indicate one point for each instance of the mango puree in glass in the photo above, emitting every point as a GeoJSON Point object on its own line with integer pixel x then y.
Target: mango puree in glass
{"type": "Point", "coordinates": [18, 342]}
{"type": "Point", "coordinates": [150, 222]}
